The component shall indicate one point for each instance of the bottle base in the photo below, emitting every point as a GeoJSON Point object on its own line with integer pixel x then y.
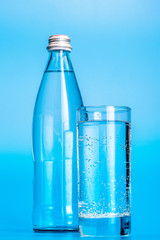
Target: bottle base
{"type": "Point", "coordinates": [54, 229]}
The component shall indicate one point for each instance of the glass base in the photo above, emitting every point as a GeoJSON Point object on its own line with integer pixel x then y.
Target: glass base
{"type": "Point", "coordinates": [116, 226]}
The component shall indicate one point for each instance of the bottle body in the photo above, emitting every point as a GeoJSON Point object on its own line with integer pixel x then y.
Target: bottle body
{"type": "Point", "coordinates": [54, 147]}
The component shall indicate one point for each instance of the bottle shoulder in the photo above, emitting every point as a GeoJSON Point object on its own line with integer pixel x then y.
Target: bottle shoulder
{"type": "Point", "coordinates": [58, 90]}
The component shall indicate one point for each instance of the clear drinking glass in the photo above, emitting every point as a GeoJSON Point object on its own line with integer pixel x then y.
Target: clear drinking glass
{"type": "Point", "coordinates": [104, 170]}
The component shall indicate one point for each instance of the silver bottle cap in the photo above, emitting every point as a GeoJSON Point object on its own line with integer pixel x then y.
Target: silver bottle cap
{"type": "Point", "coordinates": [59, 42]}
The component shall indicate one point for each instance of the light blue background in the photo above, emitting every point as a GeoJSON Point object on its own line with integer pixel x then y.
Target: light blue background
{"type": "Point", "coordinates": [116, 58]}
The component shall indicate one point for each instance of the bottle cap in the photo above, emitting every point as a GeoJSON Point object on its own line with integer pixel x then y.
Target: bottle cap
{"type": "Point", "coordinates": [59, 42]}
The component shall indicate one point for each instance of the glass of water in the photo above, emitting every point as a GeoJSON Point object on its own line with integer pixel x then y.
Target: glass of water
{"type": "Point", "coordinates": [104, 170]}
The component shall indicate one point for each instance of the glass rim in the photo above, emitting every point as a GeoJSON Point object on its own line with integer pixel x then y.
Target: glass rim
{"type": "Point", "coordinates": [105, 108]}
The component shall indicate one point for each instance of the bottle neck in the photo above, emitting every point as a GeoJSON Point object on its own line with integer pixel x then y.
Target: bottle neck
{"type": "Point", "coordinates": [59, 60]}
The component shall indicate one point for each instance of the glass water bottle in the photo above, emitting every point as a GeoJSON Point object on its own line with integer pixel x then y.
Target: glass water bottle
{"type": "Point", "coordinates": [55, 204]}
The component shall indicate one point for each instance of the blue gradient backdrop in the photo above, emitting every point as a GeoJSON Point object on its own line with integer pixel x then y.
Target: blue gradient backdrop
{"type": "Point", "coordinates": [116, 57]}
